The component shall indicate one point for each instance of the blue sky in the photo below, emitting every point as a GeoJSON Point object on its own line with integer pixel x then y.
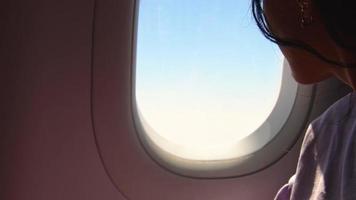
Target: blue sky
{"type": "Point", "coordinates": [205, 76]}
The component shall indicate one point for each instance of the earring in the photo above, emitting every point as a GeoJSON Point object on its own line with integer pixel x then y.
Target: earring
{"type": "Point", "coordinates": [305, 13]}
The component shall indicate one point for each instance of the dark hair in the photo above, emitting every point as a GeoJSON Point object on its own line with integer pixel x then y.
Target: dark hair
{"type": "Point", "coordinates": [338, 17]}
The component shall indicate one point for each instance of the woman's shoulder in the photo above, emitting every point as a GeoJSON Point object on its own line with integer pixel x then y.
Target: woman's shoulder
{"type": "Point", "coordinates": [334, 128]}
{"type": "Point", "coordinates": [325, 152]}
{"type": "Point", "coordinates": [338, 112]}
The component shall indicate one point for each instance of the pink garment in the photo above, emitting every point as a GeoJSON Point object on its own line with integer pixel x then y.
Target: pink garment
{"type": "Point", "coordinates": [327, 163]}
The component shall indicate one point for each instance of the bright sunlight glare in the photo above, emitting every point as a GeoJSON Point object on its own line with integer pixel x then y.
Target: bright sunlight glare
{"type": "Point", "coordinates": [205, 76]}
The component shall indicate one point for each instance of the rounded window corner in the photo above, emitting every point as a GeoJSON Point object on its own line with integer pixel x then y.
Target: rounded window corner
{"type": "Point", "coordinates": [279, 132]}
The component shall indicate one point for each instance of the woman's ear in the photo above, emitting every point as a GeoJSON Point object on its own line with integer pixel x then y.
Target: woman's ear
{"type": "Point", "coordinates": [293, 19]}
{"type": "Point", "coordinates": [285, 20]}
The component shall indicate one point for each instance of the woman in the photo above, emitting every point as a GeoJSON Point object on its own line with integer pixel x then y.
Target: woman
{"type": "Point", "coordinates": [318, 38]}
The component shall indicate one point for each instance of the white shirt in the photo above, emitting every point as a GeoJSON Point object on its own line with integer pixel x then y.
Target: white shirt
{"type": "Point", "coordinates": [327, 163]}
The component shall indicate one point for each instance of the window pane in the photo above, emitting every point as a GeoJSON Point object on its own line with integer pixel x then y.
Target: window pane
{"type": "Point", "coordinates": [205, 76]}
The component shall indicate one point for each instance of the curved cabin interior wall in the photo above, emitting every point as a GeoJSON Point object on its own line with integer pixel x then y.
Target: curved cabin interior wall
{"type": "Point", "coordinates": [47, 149]}
{"type": "Point", "coordinates": [66, 115]}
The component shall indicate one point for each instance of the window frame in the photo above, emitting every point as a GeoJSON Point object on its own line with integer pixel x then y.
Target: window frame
{"type": "Point", "coordinates": [295, 100]}
{"type": "Point", "coordinates": [284, 136]}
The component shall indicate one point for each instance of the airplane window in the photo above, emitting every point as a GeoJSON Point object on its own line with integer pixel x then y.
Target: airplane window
{"type": "Point", "coordinates": [205, 79]}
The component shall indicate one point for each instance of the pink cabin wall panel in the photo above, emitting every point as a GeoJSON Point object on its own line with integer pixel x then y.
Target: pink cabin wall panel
{"type": "Point", "coordinates": [47, 145]}
{"type": "Point", "coordinates": [47, 150]}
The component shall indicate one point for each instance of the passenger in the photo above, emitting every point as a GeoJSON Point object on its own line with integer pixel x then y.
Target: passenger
{"type": "Point", "coordinates": [318, 38]}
